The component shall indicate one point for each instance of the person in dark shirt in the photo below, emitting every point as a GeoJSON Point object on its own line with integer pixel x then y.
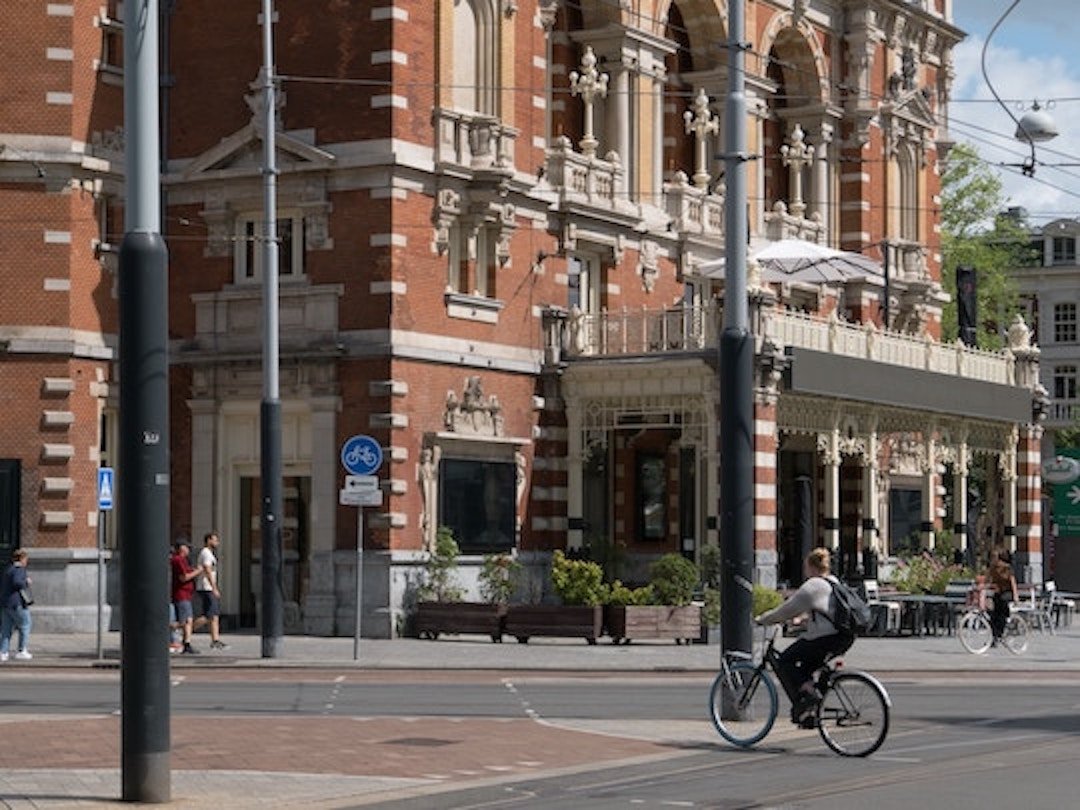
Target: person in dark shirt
{"type": "Point", "coordinates": [16, 614]}
{"type": "Point", "coordinates": [1003, 582]}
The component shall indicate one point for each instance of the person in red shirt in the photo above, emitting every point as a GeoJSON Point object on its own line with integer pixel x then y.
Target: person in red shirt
{"type": "Point", "coordinates": [183, 590]}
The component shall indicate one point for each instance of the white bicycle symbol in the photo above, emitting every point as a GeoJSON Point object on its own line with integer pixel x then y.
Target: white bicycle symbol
{"type": "Point", "coordinates": [360, 453]}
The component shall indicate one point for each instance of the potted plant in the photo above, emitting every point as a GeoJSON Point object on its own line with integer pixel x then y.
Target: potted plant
{"type": "Point", "coordinates": [580, 585]}
{"type": "Point", "coordinates": [669, 611]}
{"type": "Point", "coordinates": [441, 608]}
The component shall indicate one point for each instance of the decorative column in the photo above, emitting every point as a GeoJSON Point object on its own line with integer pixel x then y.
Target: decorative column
{"type": "Point", "coordinates": [870, 495]}
{"type": "Point", "coordinates": [590, 84]}
{"type": "Point", "coordinates": [1029, 559]}
{"type": "Point", "coordinates": [929, 492]}
{"type": "Point", "coordinates": [658, 80]}
{"type": "Point", "coordinates": [770, 365]}
{"type": "Point", "coordinates": [700, 121]}
{"type": "Point", "coordinates": [574, 475]}
{"type": "Point", "coordinates": [828, 446]}
{"type": "Point", "coordinates": [1007, 467]}
{"type": "Point", "coordinates": [618, 124]}
{"type": "Point", "coordinates": [796, 155]}
{"type": "Point", "coordinates": [820, 191]}
{"type": "Point", "coordinates": [960, 493]}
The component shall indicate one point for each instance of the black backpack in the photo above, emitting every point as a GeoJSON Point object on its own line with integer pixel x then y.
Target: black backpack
{"type": "Point", "coordinates": [851, 615]}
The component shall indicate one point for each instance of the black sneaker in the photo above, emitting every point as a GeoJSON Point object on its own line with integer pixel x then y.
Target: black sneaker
{"type": "Point", "coordinates": [189, 650]}
{"type": "Point", "coordinates": [218, 645]}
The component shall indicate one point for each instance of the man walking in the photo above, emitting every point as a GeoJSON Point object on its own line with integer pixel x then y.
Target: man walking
{"type": "Point", "coordinates": [183, 589]}
{"type": "Point", "coordinates": [207, 593]}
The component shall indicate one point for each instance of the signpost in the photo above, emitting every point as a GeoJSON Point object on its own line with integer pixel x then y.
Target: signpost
{"type": "Point", "coordinates": [106, 480]}
{"type": "Point", "coordinates": [361, 456]}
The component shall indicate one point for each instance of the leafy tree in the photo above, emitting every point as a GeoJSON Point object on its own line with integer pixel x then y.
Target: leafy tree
{"type": "Point", "coordinates": [975, 232]}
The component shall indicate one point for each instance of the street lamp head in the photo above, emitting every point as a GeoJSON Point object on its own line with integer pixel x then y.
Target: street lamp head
{"type": "Point", "coordinates": [1036, 126]}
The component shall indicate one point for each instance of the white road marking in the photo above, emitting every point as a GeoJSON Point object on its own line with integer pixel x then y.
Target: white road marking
{"type": "Point", "coordinates": [966, 743]}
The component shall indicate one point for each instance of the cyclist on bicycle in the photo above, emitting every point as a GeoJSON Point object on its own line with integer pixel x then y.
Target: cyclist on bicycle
{"type": "Point", "coordinates": [808, 653]}
{"type": "Point", "coordinates": [1003, 581]}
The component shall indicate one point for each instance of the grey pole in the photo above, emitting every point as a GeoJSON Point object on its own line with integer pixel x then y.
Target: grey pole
{"type": "Point", "coordinates": [359, 582]}
{"type": "Point", "coordinates": [270, 411]}
{"type": "Point", "coordinates": [144, 428]}
{"type": "Point", "coordinates": [736, 367]}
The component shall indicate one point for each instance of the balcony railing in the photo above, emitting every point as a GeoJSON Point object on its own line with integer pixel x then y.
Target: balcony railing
{"type": "Point", "coordinates": [571, 335]}
{"type": "Point", "coordinates": [584, 180]}
{"type": "Point", "coordinates": [473, 141]}
{"type": "Point", "coordinates": [870, 343]}
{"type": "Point", "coordinates": [1062, 414]}
{"type": "Point", "coordinates": [694, 210]}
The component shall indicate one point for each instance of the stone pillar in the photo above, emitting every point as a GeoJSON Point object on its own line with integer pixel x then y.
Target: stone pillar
{"type": "Point", "coordinates": [960, 495]}
{"type": "Point", "coordinates": [657, 185]}
{"type": "Point", "coordinates": [870, 496]}
{"type": "Point", "coordinates": [819, 194]}
{"type": "Point", "coordinates": [766, 559]}
{"type": "Point", "coordinates": [829, 448]}
{"type": "Point", "coordinates": [1029, 557]}
{"type": "Point", "coordinates": [1007, 467]}
{"type": "Point", "coordinates": [319, 602]}
{"type": "Point", "coordinates": [929, 494]}
{"type": "Point", "coordinates": [618, 123]}
{"type": "Point", "coordinates": [574, 475]}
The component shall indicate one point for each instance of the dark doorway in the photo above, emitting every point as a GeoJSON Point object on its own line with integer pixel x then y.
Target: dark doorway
{"type": "Point", "coordinates": [10, 506]}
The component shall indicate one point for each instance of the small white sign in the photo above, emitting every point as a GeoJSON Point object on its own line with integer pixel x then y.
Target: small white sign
{"type": "Point", "coordinates": [362, 497]}
{"type": "Point", "coordinates": [361, 483]}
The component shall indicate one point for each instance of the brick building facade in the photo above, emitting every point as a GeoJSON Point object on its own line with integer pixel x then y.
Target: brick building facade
{"type": "Point", "coordinates": [500, 227]}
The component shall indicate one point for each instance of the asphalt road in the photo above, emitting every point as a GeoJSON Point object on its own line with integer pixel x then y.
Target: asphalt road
{"type": "Point", "coordinates": [956, 741]}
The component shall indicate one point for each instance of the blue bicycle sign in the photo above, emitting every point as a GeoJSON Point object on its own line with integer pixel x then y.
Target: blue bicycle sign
{"type": "Point", "coordinates": [361, 455]}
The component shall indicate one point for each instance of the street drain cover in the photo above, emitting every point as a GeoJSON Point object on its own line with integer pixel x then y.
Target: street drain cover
{"type": "Point", "coordinates": [429, 742]}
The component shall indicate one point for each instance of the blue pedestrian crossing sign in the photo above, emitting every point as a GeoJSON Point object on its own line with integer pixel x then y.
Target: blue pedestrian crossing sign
{"type": "Point", "coordinates": [361, 455]}
{"type": "Point", "coordinates": [105, 480]}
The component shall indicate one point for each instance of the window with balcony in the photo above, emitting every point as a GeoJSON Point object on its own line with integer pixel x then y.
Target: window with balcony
{"type": "Point", "coordinates": [248, 256]}
{"type": "Point", "coordinates": [1065, 383]}
{"type": "Point", "coordinates": [1064, 250]}
{"type": "Point", "coordinates": [583, 280]}
{"type": "Point", "coordinates": [1065, 323]}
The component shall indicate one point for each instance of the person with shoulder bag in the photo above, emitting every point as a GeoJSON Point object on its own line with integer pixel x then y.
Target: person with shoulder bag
{"type": "Point", "coordinates": [822, 638]}
{"type": "Point", "coordinates": [15, 601]}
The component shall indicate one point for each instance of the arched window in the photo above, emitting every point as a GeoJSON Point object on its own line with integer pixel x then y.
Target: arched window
{"type": "Point", "coordinates": [475, 55]}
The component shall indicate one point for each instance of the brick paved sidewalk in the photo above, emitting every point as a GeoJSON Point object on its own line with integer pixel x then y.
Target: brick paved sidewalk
{"type": "Point", "coordinates": [228, 761]}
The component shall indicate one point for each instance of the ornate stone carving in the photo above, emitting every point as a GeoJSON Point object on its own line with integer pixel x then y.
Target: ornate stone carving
{"type": "Point", "coordinates": [1019, 334]}
{"type": "Point", "coordinates": [428, 475]}
{"type": "Point", "coordinates": [447, 210]}
{"type": "Point", "coordinates": [649, 264]}
{"type": "Point", "coordinates": [474, 414]}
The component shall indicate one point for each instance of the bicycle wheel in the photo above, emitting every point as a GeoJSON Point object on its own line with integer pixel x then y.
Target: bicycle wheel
{"type": "Point", "coordinates": [743, 705]}
{"type": "Point", "coordinates": [853, 717]}
{"type": "Point", "coordinates": [1015, 637]}
{"type": "Point", "coordinates": [975, 632]}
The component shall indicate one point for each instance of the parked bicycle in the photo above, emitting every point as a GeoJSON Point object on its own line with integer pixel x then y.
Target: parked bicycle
{"type": "Point", "coordinates": [977, 635]}
{"type": "Point", "coordinates": [852, 717]}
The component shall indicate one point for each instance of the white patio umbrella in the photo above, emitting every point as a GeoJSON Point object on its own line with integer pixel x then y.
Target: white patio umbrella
{"type": "Point", "coordinates": [799, 260]}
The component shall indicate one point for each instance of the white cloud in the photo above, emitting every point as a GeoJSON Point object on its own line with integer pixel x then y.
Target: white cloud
{"type": "Point", "coordinates": [986, 126]}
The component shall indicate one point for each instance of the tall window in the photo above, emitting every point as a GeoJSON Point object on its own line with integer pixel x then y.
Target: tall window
{"type": "Point", "coordinates": [249, 248]}
{"type": "Point", "coordinates": [475, 55]}
{"type": "Point", "coordinates": [472, 262]}
{"type": "Point", "coordinates": [1064, 250]}
{"type": "Point", "coordinates": [583, 280]}
{"type": "Point", "coordinates": [909, 194]}
{"type": "Point", "coordinates": [1065, 382]}
{"type": "Point", "coordinates": [1065, 323]}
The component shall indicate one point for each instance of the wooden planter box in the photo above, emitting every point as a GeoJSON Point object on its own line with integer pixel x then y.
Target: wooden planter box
{"type": "Point", "coordinates": [653, 621]}
{"type": "Point", "coordinates": [451, 618]}
{"type": "Point", "coordinates": [564, 621]}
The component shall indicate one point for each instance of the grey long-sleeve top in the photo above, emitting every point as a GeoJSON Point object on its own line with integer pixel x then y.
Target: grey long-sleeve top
{"type": "Point", "coordinates": [812, 598]}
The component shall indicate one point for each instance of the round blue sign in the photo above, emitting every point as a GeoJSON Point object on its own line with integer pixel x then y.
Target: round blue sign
{"type": "Point", "coordinates": [361, 455]}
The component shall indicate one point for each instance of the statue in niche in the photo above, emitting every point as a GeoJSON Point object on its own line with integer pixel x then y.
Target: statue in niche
{"type": "Point", "coordinates": [428, 474]}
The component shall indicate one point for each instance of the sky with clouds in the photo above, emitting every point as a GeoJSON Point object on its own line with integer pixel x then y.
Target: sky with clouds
{"type": "Point", "coordinates": [1034, 54]}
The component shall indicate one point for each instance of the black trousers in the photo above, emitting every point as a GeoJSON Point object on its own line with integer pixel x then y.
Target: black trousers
{"type": "Point", "coordinates": [999, 616]}
{"type": "Point", "coordinates": [800, 660]}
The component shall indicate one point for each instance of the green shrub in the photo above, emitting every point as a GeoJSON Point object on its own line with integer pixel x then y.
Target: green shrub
{"type": "Point", "coordinates": [622, 596]}
{"type": "Point", "coordinates": [578, 582]}
{"type": "Point", "coordinates": [765, 599]}
{"type": "Point", "coordinates": [440, 569]}
{"type": "Point", "coordinates": [674, 580]}
{"type": "Point", "coordinates": [709, 566]}
{"type": "Point", "coordinates": [710, 614]}
{"type": "Point", "coordinates": [925, 573]}
{"type": "Point", "coordinates": [499, 578]}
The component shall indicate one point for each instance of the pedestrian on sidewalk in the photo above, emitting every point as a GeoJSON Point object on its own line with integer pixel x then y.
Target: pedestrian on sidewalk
{"type": "Point", "coordinates": [183, 590]}
{"type": "Point", "coordinates": [207, 592]}
{"type": "Point", "coordinates": [14, 593]}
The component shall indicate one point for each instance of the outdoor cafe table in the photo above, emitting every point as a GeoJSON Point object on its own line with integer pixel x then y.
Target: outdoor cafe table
{"type": "Point", "coordinates": [926, 612]}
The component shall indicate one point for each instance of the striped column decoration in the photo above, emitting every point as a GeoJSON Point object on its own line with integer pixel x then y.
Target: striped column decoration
{"type": "Point", "coordinates": [1029, 504]}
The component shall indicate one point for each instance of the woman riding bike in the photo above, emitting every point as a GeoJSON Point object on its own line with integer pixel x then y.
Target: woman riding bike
{"type": "Point", "coordinates": [807, 654]}
{"type": "Point", "coordinates": [1003, 582]}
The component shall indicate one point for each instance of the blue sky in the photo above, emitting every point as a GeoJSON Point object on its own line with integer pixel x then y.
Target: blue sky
{"type": "Point", "coordinates": [1033, 55]}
